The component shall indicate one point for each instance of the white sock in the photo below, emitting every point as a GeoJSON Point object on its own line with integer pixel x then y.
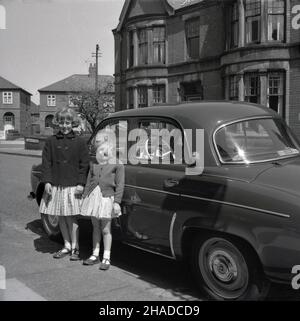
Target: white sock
{"type": "Point", "coordinates": [106, 255]}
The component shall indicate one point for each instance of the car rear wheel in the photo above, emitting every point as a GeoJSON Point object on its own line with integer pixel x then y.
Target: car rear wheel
{"type": "Point", "coordinates": [226, 272]}
{"type": "Point", "coordinates": [50, 224]}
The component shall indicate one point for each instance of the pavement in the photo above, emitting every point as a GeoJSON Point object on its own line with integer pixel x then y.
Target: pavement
{"type": "Point", "coordinates": [17, 147]}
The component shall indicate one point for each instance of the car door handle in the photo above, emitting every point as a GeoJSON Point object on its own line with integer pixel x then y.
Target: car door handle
{"type": "Point", "coordinates": [171, 182]}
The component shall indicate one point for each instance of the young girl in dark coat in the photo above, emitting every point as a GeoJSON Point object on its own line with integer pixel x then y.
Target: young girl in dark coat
{"type": "Point", "coordinates": [65, 162]}
{"type": "Point", "coordinates": [103, 196]}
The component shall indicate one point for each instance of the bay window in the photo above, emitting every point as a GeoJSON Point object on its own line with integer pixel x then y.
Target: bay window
{"type": "Point", "coordinates": [252, 88]}
{"type": "Point", "coordinates": [276, 20]}
{"type": "Point", "coordinates": [159, 50]}
{"type": "Point", "coordinates": [253, 20]}
{"type": "Point", "coordinates": [193, 38]}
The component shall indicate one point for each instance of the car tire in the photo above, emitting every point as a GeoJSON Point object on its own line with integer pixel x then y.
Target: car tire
{"type": "Point", "coordinates": [225, 270]}
{"type": "Point", "coordinates": [51, 227]}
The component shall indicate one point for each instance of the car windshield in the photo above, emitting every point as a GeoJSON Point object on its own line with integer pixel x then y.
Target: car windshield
{"type": "Point", "coordinates": [255, 140]}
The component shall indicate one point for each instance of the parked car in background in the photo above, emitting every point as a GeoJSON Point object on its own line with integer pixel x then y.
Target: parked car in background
{"type": "Point", "coordinates": [236, 221]}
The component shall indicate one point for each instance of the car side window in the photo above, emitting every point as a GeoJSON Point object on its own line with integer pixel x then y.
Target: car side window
{"type": "Point", "coordinates": [159, 142]}
{"type": "Point", "coordinates": [120, 129]}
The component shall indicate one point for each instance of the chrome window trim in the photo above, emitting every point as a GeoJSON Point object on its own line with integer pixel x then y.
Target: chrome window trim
{"type": "Point", "coordinates": [283, 215]}
{"type": "Point", "coordinates": [241, 162]}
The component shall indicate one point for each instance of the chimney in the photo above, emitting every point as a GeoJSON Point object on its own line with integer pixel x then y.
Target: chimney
{"type": "Point", "coordinates": [92, 70]}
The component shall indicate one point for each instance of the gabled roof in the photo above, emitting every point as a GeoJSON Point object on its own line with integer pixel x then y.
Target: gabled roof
{"type": "Point", "coordinates": [179, 4]}
{"type": "Point", "coordinates": [79, 83]}
{"type": "Point", "coordinates": [5, 84]}
{"type": "Point", "coordinates": [134, 8]}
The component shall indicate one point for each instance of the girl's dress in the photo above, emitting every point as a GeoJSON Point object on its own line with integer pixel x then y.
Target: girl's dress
{"type": "Point", "coordinates": [62, 202]}
{"type": "Point", "coordinates": [65, 163]}
{"type": "Point", "coordinates": [105, 185]}
{"type": "Point", "coordinates": [98, 206]}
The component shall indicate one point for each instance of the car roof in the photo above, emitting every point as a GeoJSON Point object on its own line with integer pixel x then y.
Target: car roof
{"type": "Point", "coordinates": [207, 114]}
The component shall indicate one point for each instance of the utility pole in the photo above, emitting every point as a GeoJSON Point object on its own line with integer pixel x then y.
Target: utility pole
{"type": "Point", "coordinates": [96, 55]}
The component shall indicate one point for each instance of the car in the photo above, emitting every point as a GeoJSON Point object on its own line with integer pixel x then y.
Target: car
{"type": "Point", "coordinates": [218, 187]}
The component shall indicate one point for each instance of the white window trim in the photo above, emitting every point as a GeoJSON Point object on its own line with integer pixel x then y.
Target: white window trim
{"type": "Point", "coordinates": [7, 98]}
{"type": "Point", "coordinates": [51, 100]}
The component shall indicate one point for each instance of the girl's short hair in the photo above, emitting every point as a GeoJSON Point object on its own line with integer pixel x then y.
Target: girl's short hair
{"type": "Point", "coordinates": [106, 136]}
{"type": "Point", "coordinates": [67, 113]}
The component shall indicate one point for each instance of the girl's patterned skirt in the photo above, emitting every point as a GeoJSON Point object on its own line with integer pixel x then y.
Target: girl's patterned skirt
{"type": "Point", "coordinates": [98, 206]}
{"type": "Point", "coordinates": [62, 202]}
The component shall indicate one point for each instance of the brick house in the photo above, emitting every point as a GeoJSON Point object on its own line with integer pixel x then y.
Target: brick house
{"type": "Point", "coordinates": [15, 108]}
{"type": "Point", "coordinates": [169, 51]}
{"type": "Point", "coordinates": [58, 95]}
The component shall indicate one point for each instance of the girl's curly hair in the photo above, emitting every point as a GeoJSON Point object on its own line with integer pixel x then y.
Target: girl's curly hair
{"type": "Point", "coordinates": [68, 114]}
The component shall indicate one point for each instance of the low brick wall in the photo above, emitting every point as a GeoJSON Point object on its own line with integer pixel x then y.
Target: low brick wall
{"type": "Point", "coordinates": [35, 142]}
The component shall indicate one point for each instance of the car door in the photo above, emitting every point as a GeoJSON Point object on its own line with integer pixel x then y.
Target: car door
{"type": "Point", "coordinates": [151, 215]}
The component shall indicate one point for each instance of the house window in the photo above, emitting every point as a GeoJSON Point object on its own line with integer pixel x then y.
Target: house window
{"type": "Point", "coordinates": [190, 91]}
{"type": "Point", "coordinates": [276, 91]}
{"type": "Point", "coordinates": [143, 46]}
{"type": "Point", "coordinates": [9, 120]}
{"type": "Point", "coordinates": [49, 121]}
{"type": "Point", "coordinates": [130, 98]}
{"type": "Point", "coordinates": [253, 19]}
{"type": "Point", "coordinates": [159, 94]}
{"type": "Point", "coordinates": [131, 49]}
{"type": "Point", "coordinates": [159, 48]}
{"type": "Point", "coordinates": [276, 20]}
{"type": "Point", "coordinates": [233, 88]}
{"type": "Point", "coordinates": [234, 39]}
{"type": "Point", "coordinates": [193, 38]}
{"type": "Point", "coordinates": [51, 100]}
{"type": "Point", "coordinates": [142, 96]}
{"type": "Point", "coordinates": [252, 88]}
{"type": "Point", "coordinates": [7, 97]}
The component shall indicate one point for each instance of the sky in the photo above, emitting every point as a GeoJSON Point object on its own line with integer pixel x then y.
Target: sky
{"type": "Point", "coordinates": [48, 40]}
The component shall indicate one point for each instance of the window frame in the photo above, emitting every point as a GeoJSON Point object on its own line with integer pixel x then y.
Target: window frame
{"type": "Point", "coordinates": [159, 43]}
{"type": "Point", "coordinates": [234, 26]}
{"type": "Point", "coordinates": [51, 100]}
{"type": "Point", "coordinates": [159, 93]}
{"type": "Point", "coordinates": [46, 119]}
{"type": "Point", "coordinates": [130, 98]}
{"type": "Point", "coordinates": [252, 14]}
{"type": "Point", "coordinates": [233, 87]}
{"type": "Point", "coordinates": [247, 91]}
{"type": "Point", "coordinates": [143, 43]}
{"type": "Point", "coordinates": [145, 98]}
{"type": "Point", "coordinates": [281, 90]}
{"type": "Point", "coordinates": [7, 97]}
{"type": "Point", "coordinates": [131, 48]}
{"type": "Point", "coordinates": [271, 14]}
{"type": "Point", "coordinates": [196, 36]}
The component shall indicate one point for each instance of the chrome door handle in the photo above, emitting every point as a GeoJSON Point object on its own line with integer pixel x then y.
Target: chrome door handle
{"type": "Point", "coordinates": [171, 182]}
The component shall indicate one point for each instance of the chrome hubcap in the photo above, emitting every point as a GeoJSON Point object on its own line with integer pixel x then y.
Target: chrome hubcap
{"type": "Point", "coordinates": [223, 267]}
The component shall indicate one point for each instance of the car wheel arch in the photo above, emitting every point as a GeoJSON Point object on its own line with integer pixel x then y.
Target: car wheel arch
{"type": "Point", "coordinates": [39, 192]}
{"type": "Point", "coordinates": [190, 234]}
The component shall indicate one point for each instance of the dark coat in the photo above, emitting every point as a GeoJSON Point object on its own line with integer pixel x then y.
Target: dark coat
{"type": "Point", "coordinates": [65, 160]}
{"type": "Point", "coordinates": [110, 178]}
